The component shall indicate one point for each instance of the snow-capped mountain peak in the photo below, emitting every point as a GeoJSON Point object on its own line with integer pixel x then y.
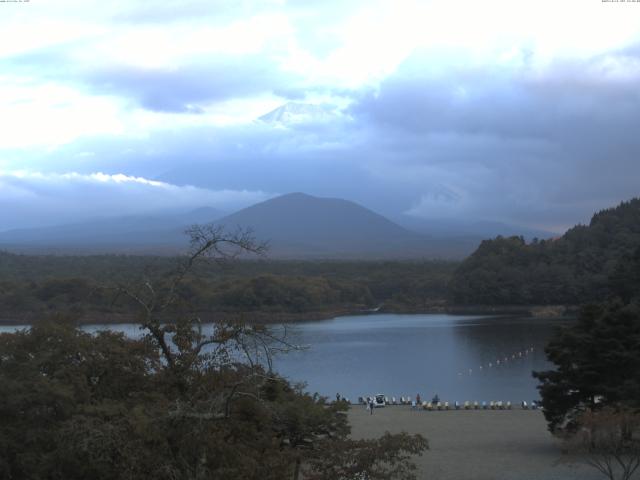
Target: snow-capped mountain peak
{"type": "Point", "coordinates": [295, 112]}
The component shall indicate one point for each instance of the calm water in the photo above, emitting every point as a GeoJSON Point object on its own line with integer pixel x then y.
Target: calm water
{"type": "Point", "coordinates": [427, 354]}
{"type": "Point", "coordinates": [409, 354]}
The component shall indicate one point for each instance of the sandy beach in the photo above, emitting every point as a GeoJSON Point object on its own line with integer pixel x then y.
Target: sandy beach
{"type": "Point", "coordinates": [476, 444]}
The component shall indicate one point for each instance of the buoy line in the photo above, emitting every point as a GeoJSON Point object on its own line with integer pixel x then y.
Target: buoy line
{"type": "Point", "coordinates": [502, 360]}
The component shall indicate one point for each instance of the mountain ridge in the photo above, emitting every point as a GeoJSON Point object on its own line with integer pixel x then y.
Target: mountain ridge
{"type": "Point", "coordinates": [101, 234]}
{"type": "Point", "coordinates": [298, 225]}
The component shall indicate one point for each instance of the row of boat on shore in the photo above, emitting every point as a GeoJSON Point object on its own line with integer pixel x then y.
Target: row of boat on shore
{"type": "Point", "coordinates": [380, 400]}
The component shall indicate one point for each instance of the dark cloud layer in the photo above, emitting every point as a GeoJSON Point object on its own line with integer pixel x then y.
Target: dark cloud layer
{"type": "Point", "coordinates": [542, 147]}
{"type": "Point", "coordinates": [185, 89]}
{"type": "Point", "coordinates": [180, 89]}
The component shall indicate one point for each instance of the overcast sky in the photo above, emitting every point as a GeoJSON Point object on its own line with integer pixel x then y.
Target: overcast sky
{"type": "Point", "coordinates": [526, 112]}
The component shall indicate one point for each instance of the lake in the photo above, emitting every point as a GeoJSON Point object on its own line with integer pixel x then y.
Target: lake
{"type": "Point", "coordinates": [402, 355]}
{"type": "Point", "coordinates": [474, 358]}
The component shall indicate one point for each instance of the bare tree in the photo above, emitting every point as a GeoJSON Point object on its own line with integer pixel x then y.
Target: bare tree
{"type": "Point", "coordinates": [178, 333]}
{"type": "Point", "coordinates": [609, 441]}
{"type": "Point", "coordinates": [215, 376]}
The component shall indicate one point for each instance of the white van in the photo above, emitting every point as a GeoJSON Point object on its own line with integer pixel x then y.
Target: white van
{"type": "Point", "coordinates": [378, 400]}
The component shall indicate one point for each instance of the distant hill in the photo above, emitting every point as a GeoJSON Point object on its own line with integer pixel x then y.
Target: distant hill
{"type": "Point", "coordinates": [302, 226]}
{"type": "Point", "coordinates": [579, 267]}
{"type": "Point", "coordinates": [478, 230]}
{"type": "Point", "coordinates": [134, 234]}
{"type": "Point", "coordinates": [297, 226]}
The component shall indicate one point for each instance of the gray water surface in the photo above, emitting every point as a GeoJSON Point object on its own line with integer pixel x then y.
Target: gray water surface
{"type": "Point", "coordinates": [402, 355]}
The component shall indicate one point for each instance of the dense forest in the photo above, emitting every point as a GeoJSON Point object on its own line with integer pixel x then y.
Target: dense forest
{"type": "Point", "coordinates": [84, 285]}
{"type": "Point", "coordinates": [577, 268]}
{"type": "Point", "coordinates": [573, 269]}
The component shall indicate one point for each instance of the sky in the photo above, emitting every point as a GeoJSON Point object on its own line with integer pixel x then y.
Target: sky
{"type": "Point", "coordinates": [524, 112]}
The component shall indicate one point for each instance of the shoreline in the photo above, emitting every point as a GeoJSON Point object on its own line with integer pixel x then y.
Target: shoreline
{"type": "Point", "coordinates": [265, 317]}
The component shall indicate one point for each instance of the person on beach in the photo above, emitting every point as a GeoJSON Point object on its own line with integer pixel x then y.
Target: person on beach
{"type": "Point", "coordinates": [418, 399]}
{"type": "Point", "coordinates": [371, 407]}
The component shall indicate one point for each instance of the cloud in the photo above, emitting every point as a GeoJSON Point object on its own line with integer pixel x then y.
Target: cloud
{"type": "Point", "coordinates": [36, 198]}
{"type": "Point", "coordinates": [170, 11]}
{"type": "Point", "coordinates": [541, 146]}
{"type": "Point", "coordinates": [521, 113]}
{"type": "Point", "coordinates": [189, 89]}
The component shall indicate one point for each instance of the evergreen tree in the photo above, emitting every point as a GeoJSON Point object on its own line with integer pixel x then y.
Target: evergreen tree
{"type": "Point", "coordinates": [574, 269]}
{"type": "Point", "coordinates": [597, 364]}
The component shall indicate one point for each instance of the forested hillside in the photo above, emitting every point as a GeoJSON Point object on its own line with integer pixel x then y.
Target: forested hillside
{"type": "Point", "coordinates": [576, 268]}
{"type": "Point", "coordinates": [32, 285]}
{"type": "Point", "coordinates": [580, 267]}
